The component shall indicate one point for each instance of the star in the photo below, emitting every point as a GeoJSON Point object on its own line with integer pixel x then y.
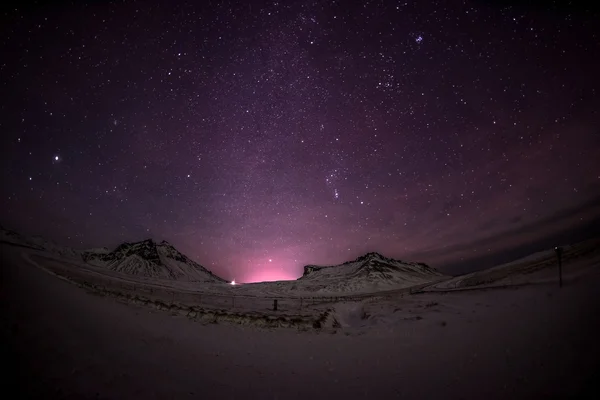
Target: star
{"type": "Point", "coordinates": [428, 113]}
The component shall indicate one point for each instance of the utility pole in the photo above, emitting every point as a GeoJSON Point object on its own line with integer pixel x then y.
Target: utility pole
{"type": "Point", "coordinates": [559, 251]}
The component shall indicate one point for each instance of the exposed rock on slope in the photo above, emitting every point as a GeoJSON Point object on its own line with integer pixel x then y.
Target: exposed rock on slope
{"type": "Point", "coordinates": [370, 271]}
{"type": "Point", "coordinates": [150, 259]}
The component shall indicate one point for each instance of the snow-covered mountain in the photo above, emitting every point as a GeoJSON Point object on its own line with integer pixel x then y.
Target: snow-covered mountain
{"type": "Point", "coordinates": [37, 243]}
{"type": "Point", "coordinates": [368, 272]}
{"type": "Point", "coordinates": [150, 259]}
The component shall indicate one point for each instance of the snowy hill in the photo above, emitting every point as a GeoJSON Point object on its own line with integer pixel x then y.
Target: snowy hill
{"type": "Point", "coordinates": [37, 243]}
{"type": "Point", "coordinates": [150, 259]}
{"type": "Point", "coordinates": [371, 271]}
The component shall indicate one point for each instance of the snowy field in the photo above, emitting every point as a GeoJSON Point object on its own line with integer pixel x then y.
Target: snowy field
{"type": "Point", "coordinates": [159, 272]}
{"type": "Point", "coordinates": [292, 296]}
{"type": "Point", "coordinates": [526, 341]}
{"type": "Point", "coordinates": [536, 268]}
{"type": "Point", "coordinates": [251, 304]}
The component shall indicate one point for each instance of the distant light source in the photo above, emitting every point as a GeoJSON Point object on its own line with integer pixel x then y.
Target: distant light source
{"type": "Point", "coordinates": [233, 282]}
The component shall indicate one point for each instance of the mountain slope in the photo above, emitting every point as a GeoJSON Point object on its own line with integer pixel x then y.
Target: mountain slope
{"type": "Point", "coordinates": [36, 242]}
{"type": "Point", "coordinates": [371, 271]}
{"type": "Point", "coordinates": [150, 259]}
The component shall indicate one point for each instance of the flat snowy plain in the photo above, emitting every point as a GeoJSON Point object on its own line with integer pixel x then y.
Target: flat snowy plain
{"type": "Point", "coordinates": [528, 341]}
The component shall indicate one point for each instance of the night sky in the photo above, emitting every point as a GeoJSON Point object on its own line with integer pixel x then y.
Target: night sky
{"type": "Point", "coordinates": [258, 137]}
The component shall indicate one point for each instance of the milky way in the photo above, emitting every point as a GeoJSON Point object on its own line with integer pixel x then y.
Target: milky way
{"type": "Point", "coordinates": [258, 137]}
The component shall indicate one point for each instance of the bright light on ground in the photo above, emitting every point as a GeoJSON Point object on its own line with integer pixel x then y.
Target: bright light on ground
{"type": "Point", "coordinates": [233, 282]}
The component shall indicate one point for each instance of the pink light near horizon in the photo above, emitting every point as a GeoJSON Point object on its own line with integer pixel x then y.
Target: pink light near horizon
{"type": "Point", "coordinates": [262, 266]}
{"type": "Point", "coordinates": [269, 275]}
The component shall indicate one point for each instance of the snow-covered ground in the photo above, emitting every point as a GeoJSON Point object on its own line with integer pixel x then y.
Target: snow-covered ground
{"type": "Point", "coordinates": [320, 286]}
{"type": "Point", "coordinates": [159, 265]}
{"type": "Point", "coordinates": [538, 267]}
{"type": "Point", "coordinates": [37, 242]}
{"type": "Point", "coordinates": [533, 341]}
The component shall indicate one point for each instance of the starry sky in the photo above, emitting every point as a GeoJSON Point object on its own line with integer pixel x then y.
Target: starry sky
{"type": "Point", "coordinates": [260, 136]}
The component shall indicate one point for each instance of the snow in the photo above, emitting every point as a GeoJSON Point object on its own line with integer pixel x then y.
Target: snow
{"type": "Point", "coordinates": [153, 260]}
{"type": "Point", "coordinates": [367, 274]}
{"type": "Point", "coordinates": [540, 266]}
{"type": "Point", "coordinates": [160, 264]}
{"type": "Point", "coordinates": [528, 341]}
{"type": "Point", "coordinates": [37, 242]}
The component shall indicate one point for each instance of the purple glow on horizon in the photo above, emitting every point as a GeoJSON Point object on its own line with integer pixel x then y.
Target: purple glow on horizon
{"type": "Point", "coordinates": [304, 133]}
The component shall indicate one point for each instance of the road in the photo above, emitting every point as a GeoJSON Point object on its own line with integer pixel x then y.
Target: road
{"type": "Point", "coordinates": [62, 342]}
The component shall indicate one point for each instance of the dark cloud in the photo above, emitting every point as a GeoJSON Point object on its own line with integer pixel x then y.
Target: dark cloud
{"type": "Point", "coordinates": [569, 225]}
